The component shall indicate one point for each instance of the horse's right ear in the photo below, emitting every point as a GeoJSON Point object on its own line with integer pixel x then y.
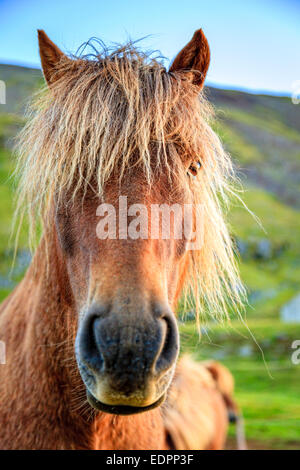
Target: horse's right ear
{"type": "Point", "coordinates": [194, 58]}
{"type": "Point", "coordinates": [50, 55]}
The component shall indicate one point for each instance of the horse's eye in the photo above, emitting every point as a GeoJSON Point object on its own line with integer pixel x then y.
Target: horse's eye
{"type": "Point", "coordinates": [194, 168]}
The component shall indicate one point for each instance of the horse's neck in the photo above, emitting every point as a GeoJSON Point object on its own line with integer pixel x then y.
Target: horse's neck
{"type": "Point", "coordinates": [41, 385]}
{"type": "Point", "coordinates": [144, 431]}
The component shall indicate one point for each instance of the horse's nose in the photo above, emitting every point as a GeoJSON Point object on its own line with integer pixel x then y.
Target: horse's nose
{"type": "Point", "coordinates": [127, 359]}
{"type": "Point", "coordinates": [126, 351]}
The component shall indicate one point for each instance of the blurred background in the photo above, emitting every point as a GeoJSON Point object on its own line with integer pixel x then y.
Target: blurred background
{"type": "Point", "coordinates": [254, 84]}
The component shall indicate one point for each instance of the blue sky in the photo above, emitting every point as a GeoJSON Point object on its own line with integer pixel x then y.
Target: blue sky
{"type": "Point", "coordinates": [254, 44]}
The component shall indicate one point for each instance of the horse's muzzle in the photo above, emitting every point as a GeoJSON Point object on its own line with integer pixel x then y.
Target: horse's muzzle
{"type": "Point", "coordinates": [127, 360]}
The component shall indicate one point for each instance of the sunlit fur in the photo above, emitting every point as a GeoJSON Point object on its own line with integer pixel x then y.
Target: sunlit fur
{"type": "Point", "coordinates": [117, 109]}
{"type": "Point", "coordinates": [194, 414]}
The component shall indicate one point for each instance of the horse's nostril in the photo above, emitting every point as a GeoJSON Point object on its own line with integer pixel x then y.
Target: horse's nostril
{"type": "Point", "coordinates": [170, 346]}
{"type": "Point", "coordinates": [88, 346]}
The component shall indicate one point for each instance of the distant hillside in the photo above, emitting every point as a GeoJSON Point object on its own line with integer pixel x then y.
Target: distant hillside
{"type": "Point", "coordinates": [20, 82]}
{"type": "Point", "coordinates": [261, 132]}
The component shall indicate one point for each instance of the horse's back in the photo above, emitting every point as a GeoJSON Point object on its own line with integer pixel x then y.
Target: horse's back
{"type": "Point", "coordinates": [195, 414]}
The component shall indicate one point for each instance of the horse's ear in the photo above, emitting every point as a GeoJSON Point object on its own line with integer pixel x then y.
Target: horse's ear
{"type": "Point", "coordinates": [50, 56]}
{"type": "Point", "coordinates": [195, 58]}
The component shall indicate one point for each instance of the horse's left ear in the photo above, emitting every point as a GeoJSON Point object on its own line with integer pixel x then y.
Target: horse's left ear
{"type": "Point", "coordinates": [195, 58]}
{"type": "Point", "coordinates": [50, 55]}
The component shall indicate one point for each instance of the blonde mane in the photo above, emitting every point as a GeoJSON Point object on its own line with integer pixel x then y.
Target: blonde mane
{"type": "Point", "coordinates": [118, 109]}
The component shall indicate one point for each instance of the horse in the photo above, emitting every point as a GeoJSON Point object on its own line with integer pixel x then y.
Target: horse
{"type": "Point", "coordinates": [91, 332]}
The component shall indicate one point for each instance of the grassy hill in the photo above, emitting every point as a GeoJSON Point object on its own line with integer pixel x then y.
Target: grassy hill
{"type": "Point", "coordinates": [262, 134]}
{"type": "Point", "coordinates": [20, 83]}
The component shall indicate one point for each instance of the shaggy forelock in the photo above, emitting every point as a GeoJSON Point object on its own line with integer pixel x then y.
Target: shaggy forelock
{"type": "Point", "coordinates": [123, 109]}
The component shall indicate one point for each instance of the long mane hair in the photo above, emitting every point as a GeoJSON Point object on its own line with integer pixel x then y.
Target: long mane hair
{"type": "Point", "coordinates": [121, 108]}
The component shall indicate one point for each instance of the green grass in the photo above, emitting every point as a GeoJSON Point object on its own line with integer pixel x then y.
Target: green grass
{"type": "Point", "coordinates": [242, 151]}
{"type": "Point", "coordinates": [6, 203]}
{"type": "Point", "coordinates": [268, 392]}
{"type": "Point", "coordinates": [268, 122]}
{"type": "Point", "coordinates": [7, 207]}
{"type": "Point", "coordinates": [279, 276]}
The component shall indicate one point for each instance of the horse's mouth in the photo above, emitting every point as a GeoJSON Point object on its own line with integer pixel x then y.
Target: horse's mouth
{"type": "Point", "coordinates": [121, 409]}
